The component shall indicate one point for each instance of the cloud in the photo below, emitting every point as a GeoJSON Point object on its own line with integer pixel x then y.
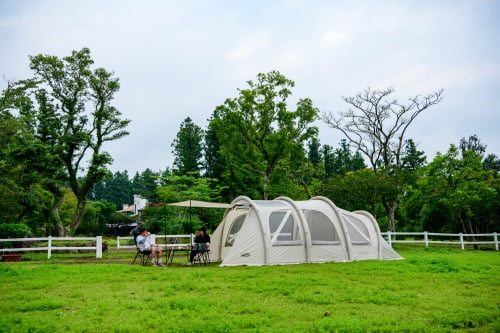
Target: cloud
{"type": "Point", "coordinates": [177, 59]}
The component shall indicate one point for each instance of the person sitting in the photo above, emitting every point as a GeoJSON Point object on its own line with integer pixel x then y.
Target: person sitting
{"type": "Point", "coordinates": [145, 246]}
{"type": "Point", "coordinates": [201, 243]}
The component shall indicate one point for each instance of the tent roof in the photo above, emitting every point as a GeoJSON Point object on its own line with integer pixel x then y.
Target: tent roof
{"type": "Point", "coordinates": [202, 204]}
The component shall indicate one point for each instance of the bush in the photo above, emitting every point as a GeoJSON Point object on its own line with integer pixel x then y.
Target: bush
{"type": "Point", "coordinates": [14, 230]}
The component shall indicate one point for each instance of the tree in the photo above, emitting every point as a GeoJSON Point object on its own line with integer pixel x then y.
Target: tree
{"type": "Point", "coordinates": [492, 162]}
{"type": "Point", "coordinates": [42, 154]}
{"type": "Point", "coordinates": [360, 189]}
{"type": "Point", "coordinates": [27, 164]}
{"type": "Point", "coordinates": [459, 195]}
{"type": "Point", "coordinates": [328, 159]}
{"type": "Point", "coordinates": [97, 215]}
{"type": "Point", "coordinates": [344, 160]}
{"type": "Point", "coordinates": [300, 173]}
{"type": "Point", "coordinates": [146, 184]}
{"type": "Point", "coordinates": [214, 161]}
{"type": "Point", "coordinates": [82, 98]}
{"type": "Point", "coordinates": [116, 188]}
{"type": "Point", "coordinates": [473, 143]}
{"type": "Point", "coordinates": [313, 153]}
{"type": "Point", "coordinates": [188, 148]}
{"type": "Point", "coordinates": [257, 130]}
{"type": "Point", "coordinates": [377, 127]}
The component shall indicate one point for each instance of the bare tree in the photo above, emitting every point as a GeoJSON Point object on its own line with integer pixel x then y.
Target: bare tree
{"type": "Point", "coordinates": [377, 126]}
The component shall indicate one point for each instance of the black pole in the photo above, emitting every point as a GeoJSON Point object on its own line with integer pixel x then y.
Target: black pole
{"type": "Point", "coordinates": [165, 222]}
{"type": "Point", "coordinates": [190, 221]}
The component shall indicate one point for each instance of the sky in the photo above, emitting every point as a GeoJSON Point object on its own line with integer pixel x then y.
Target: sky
{"type": "Point", "coordinates": [179, 59]}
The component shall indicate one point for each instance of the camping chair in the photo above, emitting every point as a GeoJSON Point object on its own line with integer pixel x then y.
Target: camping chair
{"type": "Point", "coordinates": [144, 257]}
{"type": "Point", "coordinates": [202, 256]}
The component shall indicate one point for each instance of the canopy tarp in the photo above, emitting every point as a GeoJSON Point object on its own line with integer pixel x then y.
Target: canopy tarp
{"type": "Point", "coordinates": [201, 204]}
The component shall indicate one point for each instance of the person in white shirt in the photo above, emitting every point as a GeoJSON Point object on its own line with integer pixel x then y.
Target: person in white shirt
{"type": "Point", "coordinates": [144, 243]}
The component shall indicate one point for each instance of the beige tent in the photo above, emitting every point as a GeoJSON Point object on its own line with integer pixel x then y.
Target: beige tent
{"type": "Point", "coordinates": [283, 231]}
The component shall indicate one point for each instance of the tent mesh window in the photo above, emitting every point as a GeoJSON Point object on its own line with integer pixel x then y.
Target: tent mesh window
{"type": "Point", "coordinates": [235, 228]}
{"type": "Point", "coordinates": [321, 228]}
{"type": "Point", "coordinates": [357, 230]}
{"type": "Point", "coordinates": [283, 229]}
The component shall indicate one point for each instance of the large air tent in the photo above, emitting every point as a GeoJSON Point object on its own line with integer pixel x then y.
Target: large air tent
{"type": "Point", "coordinates": [283, 231]}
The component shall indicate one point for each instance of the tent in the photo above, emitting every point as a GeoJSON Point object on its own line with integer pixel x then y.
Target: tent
{"type": "Point", "coordinates": [283, 231]}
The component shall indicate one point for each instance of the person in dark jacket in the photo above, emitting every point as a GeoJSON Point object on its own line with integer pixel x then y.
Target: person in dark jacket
{"type": "Point", "coordinates": [201, 243]}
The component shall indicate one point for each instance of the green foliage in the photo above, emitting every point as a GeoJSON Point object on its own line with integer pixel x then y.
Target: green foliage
{"type": "Point", "coordinates": [214, 160]}
{"type": "Point", "coordinates": [430, 291]}
{"type": "Point", "coordinates": [145, 184]}
{"type": "Point", "coordinates": [492, 162]}
{"type": "Point", "coordinates": [344, 160]}
{"type": "Point", "coordinates": [14, 230]}
{"type": "Point", "coordinates": [56, 125]}
{"type": "Point", "coordinates": [357, 190]}
{"type": "Point", "coordinates": [181, 188]}
{"type": "Point", "coordinates": [74, 86]}
{"type": "Point", "coordinates": [313, 151]}
{"type": "Point", "coordinates": [158, 219]}
{"type": "Point", "coordinates": [256, 130]}
{"type": "Point", "coordinates": [119, 218]}
{"type": "Point", "coordinates": [463, 191]}
{"type": "Point", "coordinates": [116, 188]}
{"type": "Point", "coordinates": [97, 215]}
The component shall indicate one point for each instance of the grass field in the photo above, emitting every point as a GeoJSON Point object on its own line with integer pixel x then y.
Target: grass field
{"type": "Point", "coordinates": [432, 290]}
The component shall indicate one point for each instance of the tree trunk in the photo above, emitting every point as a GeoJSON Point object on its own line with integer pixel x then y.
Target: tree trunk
{"type": "Point", "coordinates": [265, 184]}
{"type": "Point", "coordinates": [58, 200]}
{"type": "Point", "coordinates": [306, 188]}
{"type": "Point", "coordinates": [464, 230]}
{"type": "Point", "coordinates": [80, 210]}
{"type": "Point", "coordinates": [391, 210]}
{"type": "Point", "coordinates": [476, 246]}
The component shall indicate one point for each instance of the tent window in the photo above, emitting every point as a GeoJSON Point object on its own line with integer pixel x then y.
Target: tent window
{"type": "Point", "coordinates": [321, 228]}
{"type": "Point", "coordinates": [357, 230]}
{"type": "Point", "coordinates": [235, 228]}
{"type": "Point", "coordinates": [284, 230]}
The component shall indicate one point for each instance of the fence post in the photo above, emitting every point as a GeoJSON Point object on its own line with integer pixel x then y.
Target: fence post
{"type": "Point", "coordinates": [98, 247]}
{"type": "Point", "coordinates": [49, 247]}
{"type": "Point", "coordinates": [495, 237]}
{"type": "Point", "coordinates": [426, 239]}
{"type": "Point", "coordinates": [462, 245]}
{"type": "Point", "coordinates": [389, 238]}
{"type": "Point", "coordinates": [118, 242]}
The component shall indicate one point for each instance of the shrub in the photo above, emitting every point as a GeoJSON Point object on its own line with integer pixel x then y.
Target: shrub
{"type": "Point", "coordinates": [14, 230]}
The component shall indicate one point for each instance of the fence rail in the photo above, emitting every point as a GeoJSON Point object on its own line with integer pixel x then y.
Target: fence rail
{"type": "Point", "coordinates": [460, 239]}
{"type": "Point", "coordinates": [50, 247]}
{"type": "Point", "coordinates": [129, 240]}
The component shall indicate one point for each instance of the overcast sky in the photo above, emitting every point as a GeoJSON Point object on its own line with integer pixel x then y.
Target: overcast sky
{"type": "Point", "coordinates": [178, 59]}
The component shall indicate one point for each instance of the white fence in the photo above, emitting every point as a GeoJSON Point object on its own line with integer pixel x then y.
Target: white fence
{"type": "Point", "coordinates": [129, 243]}
{"type": "Point", "coordinates": [49, 248]}
{"type": "Point", "coordinates": [455, 239]}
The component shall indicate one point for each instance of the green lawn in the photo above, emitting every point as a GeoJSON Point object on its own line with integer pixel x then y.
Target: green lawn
{"type": "Point", "coordinates": [433, 290]}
